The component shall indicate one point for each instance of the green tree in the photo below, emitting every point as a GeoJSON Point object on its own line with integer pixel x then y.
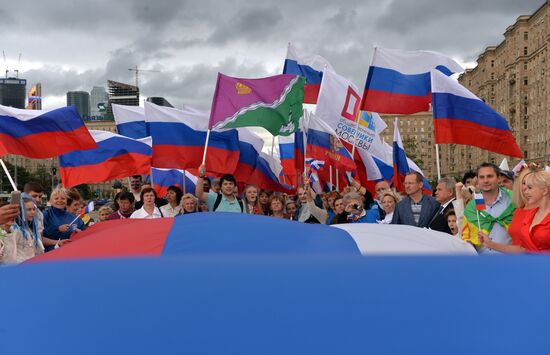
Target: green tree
{"type": "Point", "coordinates": [411, 147]}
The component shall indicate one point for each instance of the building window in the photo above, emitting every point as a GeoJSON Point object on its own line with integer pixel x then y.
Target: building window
{"type": "Point", "coordinates": [526, 35]}
{"type": "Point", "coordinates": [525, 154]}
{"type": "Point", "coordinates": [525, 66]}
{"type": "Point", "coordinates": [525, 81]}
{"type": "Point", "coordinates": [492, 63]}
{"type": "Point", "coordinates": [525, 51]}
{"type": "Point", "coordinates": [492, 76]}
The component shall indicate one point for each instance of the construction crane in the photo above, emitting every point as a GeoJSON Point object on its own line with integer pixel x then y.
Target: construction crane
{"type": "Point", "coordinates": [18, 64]}
{"type": "Point", "coordinates": [138, 70]}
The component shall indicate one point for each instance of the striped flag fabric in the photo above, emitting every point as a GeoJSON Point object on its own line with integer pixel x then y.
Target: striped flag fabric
{"type": "Point", "coordinates": [460, 117]}
{"type": "Point", "coordinates": [130, 121]}
{"type": "Point", "coordinates": [41, 134]}
{"type": "Point", "coordinates": [480, 201]}
{"type": "Point", "coordinates": [398, 81]}
{"type": "Point", "coordinates": [309, 66]}
{"type": "Point", "coordinates": [114, 157]}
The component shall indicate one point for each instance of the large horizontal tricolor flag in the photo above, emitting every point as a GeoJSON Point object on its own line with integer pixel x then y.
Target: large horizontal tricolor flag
{"type": "Point", "coordinates": [398, 81]}
{"type": "Point", "coordinates": [323, 144]}
{"type": "Point", "coordinates": [179, 138]}
{"type": "Point", "coordinates": [164, 178]}
{"type": "Point", "coordinates": [274, 103]}
{"type": "Point", "coordinates": [460, 117]}
{"type": "Point", "coordinates": [115, 157]}
{"type": "Point", "coordinates": [130, 121]}
{"type": "Point", "coordinates": [309, 66]}
{"type": "Point", "coordinates": [41, 134]}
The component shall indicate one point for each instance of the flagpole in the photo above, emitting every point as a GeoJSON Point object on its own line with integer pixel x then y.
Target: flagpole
{"type": "Point", "coordinates": [8, 175]}
{"type": "Point", "coordinates": [184, 192]}
{"type": "Point", "coordinates": [330, 176]}
{"type": "Point", "coordinates": [437, 162]}
{"type": "Point", "coordinates": [337, 180]}
{"type": "Point", "coordinates": [355, 134]}
{"type": "Point", "coordinates": [360, 106]}
{"type": "Point", "coordinates": [205, 146]}
{"type": "Point", "coordinates": [272, 145]}
{"type": "Point", "coordinates": [304, 139]}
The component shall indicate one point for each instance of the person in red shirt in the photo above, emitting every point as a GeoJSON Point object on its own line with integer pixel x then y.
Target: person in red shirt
{"type": "Point", "coordinates": [530, 228]}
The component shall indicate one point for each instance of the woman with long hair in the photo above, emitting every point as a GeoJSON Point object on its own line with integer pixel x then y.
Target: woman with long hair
{"type": "Point", "coordinates": [530, 228]}
{"type": "Point", "coordinates": [263, 198]}
{"type": "Point", "coordinates": [251, 200]}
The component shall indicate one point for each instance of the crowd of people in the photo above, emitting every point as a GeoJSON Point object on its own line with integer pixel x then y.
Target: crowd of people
{"type": "Point", "coordinates": [515, 217]}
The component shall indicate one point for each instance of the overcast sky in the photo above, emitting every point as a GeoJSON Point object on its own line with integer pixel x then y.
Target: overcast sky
{"type": "Point", "coordinates": [74, 45]}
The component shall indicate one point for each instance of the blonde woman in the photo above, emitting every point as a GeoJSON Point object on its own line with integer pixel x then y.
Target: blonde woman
{"type": "Point", "coordinates": [189, 204]}
{"type": "Point", "coordinates": [59, 224]}
{"type": "Point", "coordinates": [388, 201]}
{"type": "Point", "coordinates": [530, 229]}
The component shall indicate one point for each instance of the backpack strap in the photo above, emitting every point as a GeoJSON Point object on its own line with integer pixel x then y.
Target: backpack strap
{"type": "Point", "coordinates": [240, 204]}
{"type": "Point", "coordinates": [217, 203]}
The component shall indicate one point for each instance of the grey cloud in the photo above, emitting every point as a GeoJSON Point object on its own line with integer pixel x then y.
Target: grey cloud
{"type": "Point", "coordinates": [404, 15]}
{"type": "Point", "coordinates": [158, 13]}
{"type": "Point", "coordinates": [252, 25]}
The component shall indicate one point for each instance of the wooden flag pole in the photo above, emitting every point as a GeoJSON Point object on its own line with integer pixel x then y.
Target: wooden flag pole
{"type": "Point", "coordinates": [337, 180]}
{"type": "Point", "coordinates": [8, 175]}
{"type": "Point", "coordinates": [330, 176]}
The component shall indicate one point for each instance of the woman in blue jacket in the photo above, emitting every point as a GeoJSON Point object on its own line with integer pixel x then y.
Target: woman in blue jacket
{"type": "Point", "coordinates": [59, 224]}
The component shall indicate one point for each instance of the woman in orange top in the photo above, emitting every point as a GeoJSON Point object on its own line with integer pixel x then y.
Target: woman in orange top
{"type": "Point", "coordinates": [531, 232]}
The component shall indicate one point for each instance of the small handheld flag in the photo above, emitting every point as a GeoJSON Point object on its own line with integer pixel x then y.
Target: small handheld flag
{"type": "Point", "coordinates": [480, 201]}
{"type": "Point", "coordinates": [89, 208]}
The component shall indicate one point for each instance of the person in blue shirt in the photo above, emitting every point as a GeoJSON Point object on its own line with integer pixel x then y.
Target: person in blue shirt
{"type": "Point", "coordinates": [59, 224]}
{"type": "Point", "coordinates": [354, 206]}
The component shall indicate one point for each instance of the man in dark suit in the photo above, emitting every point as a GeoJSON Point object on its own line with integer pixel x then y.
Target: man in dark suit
{"type": "Point", "coordinates": [445, 195]}
{"type": "Point", "coordinates": [416, 209]}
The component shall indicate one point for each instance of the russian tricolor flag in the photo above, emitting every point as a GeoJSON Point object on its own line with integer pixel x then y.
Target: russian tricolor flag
{"type": "Point", "coordinates": [480, 201]}
{"type": "Point", "coordinates": [179, 137]}
{"type": "Point", "coordinates": [400, 163]}
{"type": "Point", "coordinates": [308, 66]}
{"type": "Point", "coordinates": [164, 178]}
{"type": "Point", "coordinates": [41, 134]}
{"type": "Point", "coordinates": [115, 157]}
{"type": "Point", "coordinates": [398, 81]}
{"type": "Point", "coordinates": [460, 117]}
{"type": "Point", "coordinates": [323, 144]}
{"type": "Point", "coordinates": [256, 167]}
{"type": "Point", "coordinates": [250, 145]}
{"type": "Point", "coordinates": [130, 121]}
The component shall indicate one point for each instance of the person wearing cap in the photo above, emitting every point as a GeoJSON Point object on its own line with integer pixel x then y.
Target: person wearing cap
{"type": "Point", "coordinates": [225, 200]}
{"type": "Point", "coordinates": [506, 179]}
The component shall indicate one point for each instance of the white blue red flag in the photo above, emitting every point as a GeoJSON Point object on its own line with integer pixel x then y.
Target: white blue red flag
{"type": "Point", "coordinates": [179, 137]}
{"type": "Point", "coordinates": [460, 117]}
{"type": "Point", "coordinates": [41, 134]}
{"type": "Point", "coordinates": [164, 178]}
{"type": "Point", "coordinates": [400, 164]}
{"type": "Point", "coordinates": [114, 157]}
{"type": "Point", "coordinates": [309, 66]}
{"type": "Point", "coordinates": [398, 81]}
{"type": "Point", "coordinates": [130, 121]}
